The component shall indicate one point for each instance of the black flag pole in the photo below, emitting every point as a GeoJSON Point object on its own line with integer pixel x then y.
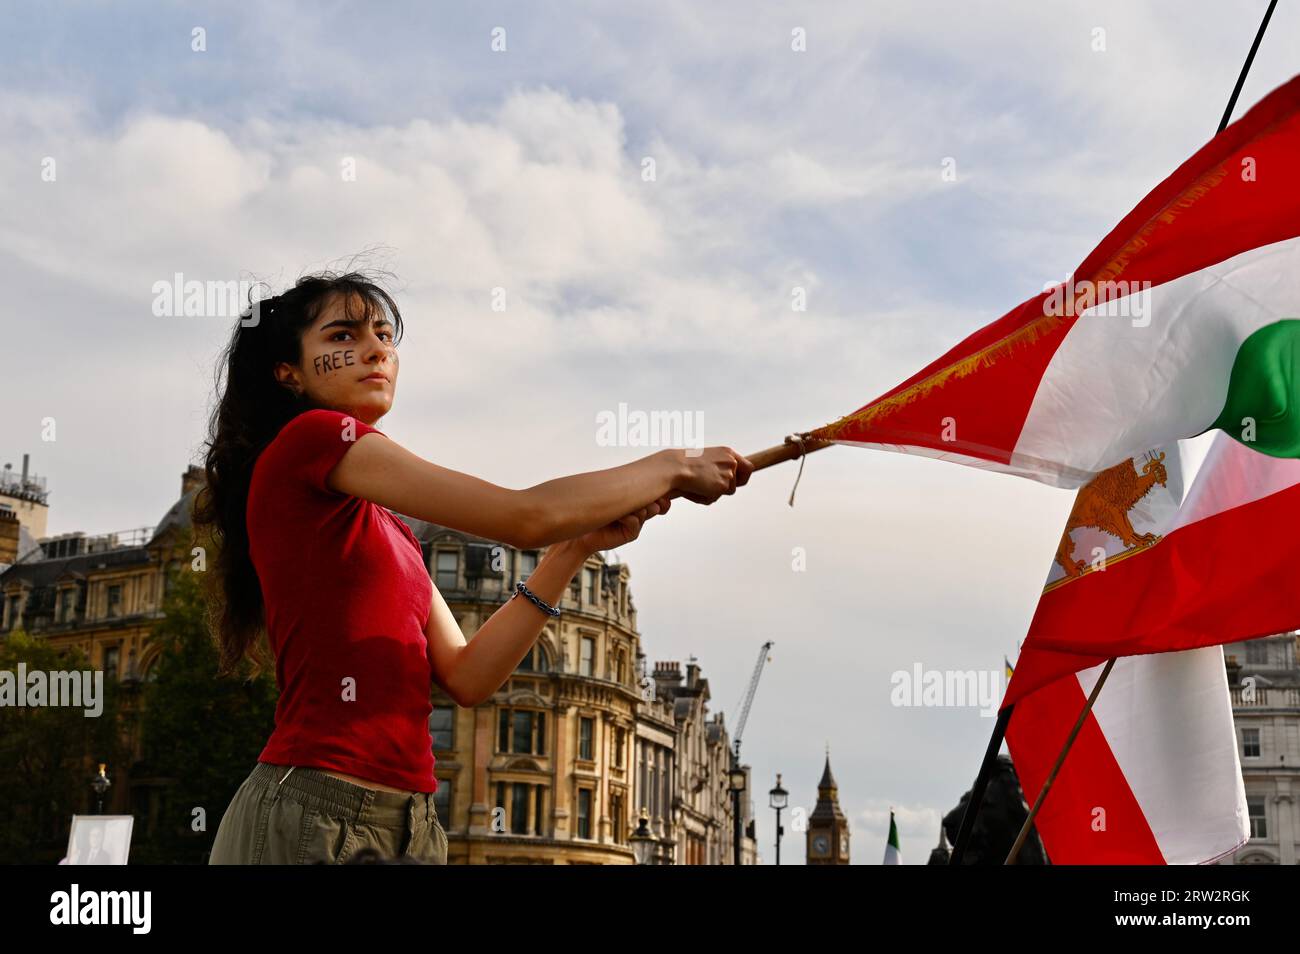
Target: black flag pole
{"type": "Point", "coordinates": [981, 785]}
{"type": "Point", "coordinates": [1250, 58]}
{"type": "Point", "coordinates": [1004, 716]}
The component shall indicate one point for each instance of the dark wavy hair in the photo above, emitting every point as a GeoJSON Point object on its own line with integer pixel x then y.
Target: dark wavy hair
{"type": "Point", "coordinates": [251, 408]}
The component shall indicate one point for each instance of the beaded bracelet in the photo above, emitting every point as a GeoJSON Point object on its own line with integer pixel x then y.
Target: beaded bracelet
{"type": "Point", "coordinates": [541, 603]}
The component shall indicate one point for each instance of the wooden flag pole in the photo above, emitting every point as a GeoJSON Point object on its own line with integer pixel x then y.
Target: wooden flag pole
{"type": "Point", "coordinates": [786, 451]}
{"type": "Point", "coordinates": [1060, 759]}
{"type": "Point", "coordinates": [796, 445]}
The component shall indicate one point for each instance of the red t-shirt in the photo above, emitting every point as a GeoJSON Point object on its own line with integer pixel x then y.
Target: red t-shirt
{"type": "Point", "coordinates": [347, 598]}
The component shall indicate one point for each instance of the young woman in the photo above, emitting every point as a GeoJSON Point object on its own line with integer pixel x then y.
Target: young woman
{"type": "Point", "coordinates": [301, 496]}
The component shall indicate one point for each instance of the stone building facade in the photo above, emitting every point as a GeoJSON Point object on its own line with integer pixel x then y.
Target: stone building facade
{"type": "Point", "coordinates": [685, 757]}
{"type": "Point", "coordinates": [1264, 680]}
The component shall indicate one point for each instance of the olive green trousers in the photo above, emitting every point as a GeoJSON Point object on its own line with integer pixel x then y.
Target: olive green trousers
{"type": "Point", "coordinates": [284, 815]}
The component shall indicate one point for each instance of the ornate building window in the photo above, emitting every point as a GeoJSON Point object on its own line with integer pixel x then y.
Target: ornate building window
{"type": "Point", "coordinates": [522, 807]}
{"type": "Point", "coordinates": [587, 660]}
{"type": "Point", "coordinates": [521, 731]}
{"type": "Point", "coordinates": [115, 599]}
{"type": "Point", "coordinates": [535, 661]}
{"type": "Point", "coordinates": [442, 802]}
{"type": "Point", "coordinates": [584, 813]}
{"type": "Point", "coordinates": [654, 782]}
{"type": "Point", "coordinates": [442, 723]}
{"type": "Point", "coordinates": [519, 808]}
{"type": "Point", "coordinates": [586, 729]}
{"type": "Point", "coordinates": [616, 818]}
{"type": "Point", "coordinates": [111, 655]}
{"type": "Point", "coordinates": [1258, 823]}
{"type": "Point", "coordinates": [446, 573]}
{"type": "Point", "coordinates": [1250, 743]}
{"type": "Point", "coordinates": [67, 605]}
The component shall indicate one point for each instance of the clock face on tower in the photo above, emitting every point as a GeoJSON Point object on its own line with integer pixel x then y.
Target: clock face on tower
{"type": "Point", "coordinates": [821, 844]}
{"type": "Point", "coordinates": [844, 846]}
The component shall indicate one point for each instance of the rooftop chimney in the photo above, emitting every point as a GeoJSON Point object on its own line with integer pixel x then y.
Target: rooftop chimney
{"type": "Point", "coordinates": [194, 476]}
{"type": "Point", "coordinates": [668, 672]}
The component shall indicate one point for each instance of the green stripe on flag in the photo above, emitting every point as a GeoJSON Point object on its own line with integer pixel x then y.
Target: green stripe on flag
{"type": "Point", "coordinates": [1263, 406]}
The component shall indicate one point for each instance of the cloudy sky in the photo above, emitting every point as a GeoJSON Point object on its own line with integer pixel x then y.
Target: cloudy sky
{"type": "Point", "coordinates": [524, 168]}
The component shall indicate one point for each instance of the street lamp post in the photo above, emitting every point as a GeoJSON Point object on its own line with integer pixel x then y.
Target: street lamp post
{"type": "Point", "coordinates": [101, 785]}
{"type": "Point", "coordinates": [643, 841]}
{"type": "Point", "coordinates": [736, 785]}
{"type": "Point", "coordinates": [778, 798]}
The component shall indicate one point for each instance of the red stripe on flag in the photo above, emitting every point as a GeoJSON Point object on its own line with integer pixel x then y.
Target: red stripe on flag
{"type": "Point", "coordinates": [1090, 816]}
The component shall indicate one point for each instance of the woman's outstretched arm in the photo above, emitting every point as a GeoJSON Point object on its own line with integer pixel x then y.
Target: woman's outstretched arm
{"type": "Point", "coordinates": [472, 671]}
{"type": "Point", "coordinates": [379, 469]}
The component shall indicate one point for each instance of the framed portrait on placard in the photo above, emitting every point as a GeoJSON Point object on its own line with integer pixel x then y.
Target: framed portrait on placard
{"type": "Point", "coordinates": [99, 839]}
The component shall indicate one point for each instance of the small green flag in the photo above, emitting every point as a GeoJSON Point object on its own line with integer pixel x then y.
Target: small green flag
{"type": "Point", "coordinates": [892, 855]}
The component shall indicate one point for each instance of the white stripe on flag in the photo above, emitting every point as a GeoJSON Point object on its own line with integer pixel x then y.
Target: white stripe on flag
{"type": "Point", "coordinates": [1167, 718]}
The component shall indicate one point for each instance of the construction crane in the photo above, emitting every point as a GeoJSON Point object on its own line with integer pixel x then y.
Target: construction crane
{"type": "Point", "coordinates": [735, 749]}
{"type": "Point", "coordinates": [749, 698]}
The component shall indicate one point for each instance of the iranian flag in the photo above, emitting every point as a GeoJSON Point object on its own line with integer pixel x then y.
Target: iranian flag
{"type": "Point", "coordinates": [1156, 577]}
{"type": "Point", "coordinates": [1147, 573]}
{"type": "Point", "coordinates": [1142, 569]}
{"type": "Point", "coordinates": [892, 855]}
{"type": "Point", "coordinates": [1186, 317]}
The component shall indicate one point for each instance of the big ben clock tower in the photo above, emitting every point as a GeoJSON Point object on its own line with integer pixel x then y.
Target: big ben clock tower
{"type": "Point", "coordinates": [827, 840]}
